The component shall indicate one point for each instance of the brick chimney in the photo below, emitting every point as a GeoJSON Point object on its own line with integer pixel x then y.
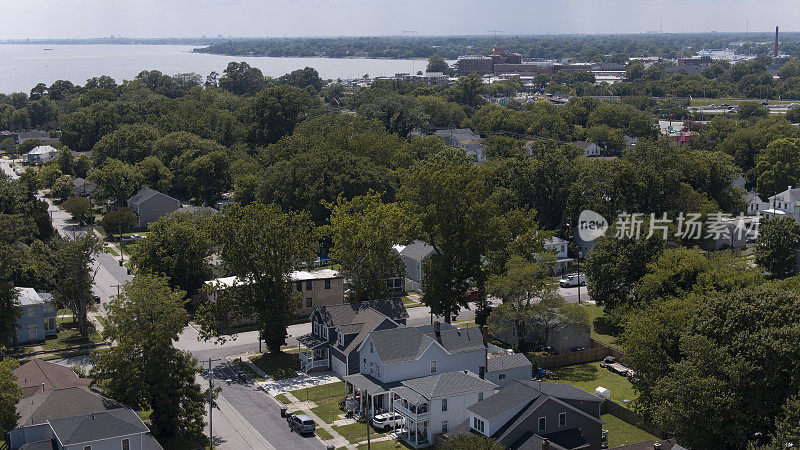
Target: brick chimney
{"type": "Point", "coordinates": [545, 444]}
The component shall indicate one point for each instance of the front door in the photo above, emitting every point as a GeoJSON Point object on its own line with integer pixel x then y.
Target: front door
{"type": "Point", "coordinates": [33, 333]}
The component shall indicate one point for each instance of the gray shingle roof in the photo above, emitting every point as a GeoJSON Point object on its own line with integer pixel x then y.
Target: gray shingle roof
{"type": "Point", "coordinates": [49, 444]}
{"type": "Point", "coordinates": [448, 384]}
{"type": "Point", "coordinates": [460, 340]}
{"type": "Point", "coordinates": [513, 396]}
{"type": "Point", "coordinates": [35, 373]}
{"type": "Point", "coordinates": [399, 344]}
{"type": "Point", "coordinates": [417, 250]}
{"type": "Point", "coordinates": [369, 383]}
{"type": "Point", "coordinates": [410, 395]}
{"type": "Point", "coordinates": [28, 296]}
{"type": "Point", "coordinates": [506, 362]}
{"type": "Point", "coordinates": [60, 403]}
{"type": "Point", "coordinates": [97, 426]}
{"type": "Point", "coordinates": [143, 194]}
{"type": "Point", "coordinates": [335, 315]}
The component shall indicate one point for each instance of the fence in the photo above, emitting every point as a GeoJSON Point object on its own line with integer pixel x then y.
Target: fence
{"type": "Point", "coordinates": [597, 353]}
{"type": "Point", "coordinates": [631, 417]}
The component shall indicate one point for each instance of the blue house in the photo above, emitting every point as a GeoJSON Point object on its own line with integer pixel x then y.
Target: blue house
{"type": "Point", "coordinates": [38, 318]}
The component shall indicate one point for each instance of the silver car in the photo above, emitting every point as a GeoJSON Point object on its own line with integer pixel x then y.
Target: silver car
{"type": "Point", "coordinates": [302, 423]}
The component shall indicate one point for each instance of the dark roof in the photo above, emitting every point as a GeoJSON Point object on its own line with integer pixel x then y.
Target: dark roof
{"type": "Point", "coordinates": [506, 362]}
{"type": "Point", "coordinates": [311, 340]}
{"type": "Point", "coordinates": [60, 403]}
{"type": "Point", "coordinates": [569, 438]}
{"type": "Point", "coordinates": [417, 250]}
{"type": "Point", "coordinates": [667, 444]}
{"type": "Point", "coordinates": [460, 340]}
{"type": "Point", "coordinates": [531, 441]}
{"type": "Point", "coordinates": [97, 426]}
{"type": "Point", "coordinates": [522, 392]}
{"type": "Point", "coordinates": [457, 134]}
{"type": "Point", "coordinates": [562, 391]}
{"type": "Point", "coordinates": [35, 373]}
{"type": "Point", "coordinates": [335, 315]}
{"type": "Point", "coordinates": [410, 394]}
{"type": "Point", "coordinates": [41, 445]}
{"type": "Point", "coordinates": [143, 194]}
{"type": "Point", "coordinates": [399, 344]}
{"type": "Point", "coordinates": [448, 384]}
{"type": "Point", "coordinates": [369, 383]}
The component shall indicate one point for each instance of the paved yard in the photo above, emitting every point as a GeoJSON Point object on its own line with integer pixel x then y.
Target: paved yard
{"type": "Point", "coordinates": [301, 382]}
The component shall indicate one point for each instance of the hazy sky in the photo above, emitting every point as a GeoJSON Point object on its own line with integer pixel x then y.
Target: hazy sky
{"type": "Point", "coordinates": [179, 18]}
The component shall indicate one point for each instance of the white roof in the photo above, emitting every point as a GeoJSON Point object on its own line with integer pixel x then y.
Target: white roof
{"type": "Point", "coordinates": [29, 296]}
{"type": "Point", "coordinates": [555, 240]}
{"type": "Point", "coordinates": [43, 149]}
{"type": "Point", "coordinates": [298, 275]}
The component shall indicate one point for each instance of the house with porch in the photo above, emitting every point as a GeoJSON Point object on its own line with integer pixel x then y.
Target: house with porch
{"type": "Point", "coordinates": [337, 331]}
{"type": "Point", "coordinates": [535, 415]}
{"type": "Point", "coordinates": [431, 405]}
{"type": "Point", "coordinates": [37, 320]}
{"type": "Point", "coordinates": [784, 204]}
{"type": "Point", "coordinates": [559, 248]}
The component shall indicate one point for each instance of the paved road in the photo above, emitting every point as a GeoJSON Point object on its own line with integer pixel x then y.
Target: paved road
{"type": "Point", "coordinates": [5, 165]}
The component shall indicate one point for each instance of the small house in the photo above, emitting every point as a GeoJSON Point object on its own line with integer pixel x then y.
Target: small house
{"type": "Point", "coordinates": [37, 320]}
{"type": "Point", "coordinates": [41, 154]}
{"type": "Point", "coordinates": [150, 205]}
{"type": "Point", "coordinates": [413, 255]}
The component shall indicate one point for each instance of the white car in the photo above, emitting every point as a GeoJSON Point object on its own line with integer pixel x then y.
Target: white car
{"type": "Point", "coordinates": [572, 280]}
{"type": "Point", "coordinates": [387, 421]}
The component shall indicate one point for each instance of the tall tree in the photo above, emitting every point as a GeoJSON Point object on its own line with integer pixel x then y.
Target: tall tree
{"type": "Point", "coordinates": [10, 395]}
{"type": "Point", "coordinates": [777, 167]}
{"type": "Point", "coordinates": [260, 245]}
{"type": "Point", "coordinates": [275, 112]}
{"type": "Point", "coordinates": [73, 270]}
{"type": "Point", "coordinates": [116, 181]}
{"type": "Point", "coordinates": [176, 247]}
{"type": "Point", "coordinates": [143, 369]}
{"type": "Point", "coordinates": [241, 79]}
{"type": "Point", "coordinates": [9, 306]}
{"type": "Point", "coordinates": [776, 243]}
{"type": "Point", "coordinates": [363, 231]}
{"type": "Point", "coordinates": [437, 64]}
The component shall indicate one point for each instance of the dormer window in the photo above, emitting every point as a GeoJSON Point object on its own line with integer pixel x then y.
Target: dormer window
{"type": "Point", "coordinates": [371, 347]}
{"type": "Point", "coordinates": [341, 339]}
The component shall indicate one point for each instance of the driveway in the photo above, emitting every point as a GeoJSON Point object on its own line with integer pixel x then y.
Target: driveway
{"type": "Point", "coordinates": [301, 382]}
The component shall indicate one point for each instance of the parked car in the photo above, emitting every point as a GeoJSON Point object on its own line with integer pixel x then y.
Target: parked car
{"type": "Point", "coordinates": [387, 421]}
{"type": "Point", "coordinates": [302, 423]}
{"type": "Point", "coordinates": [96, 299]}
{"type": "Point", "coordinates": [572, 280]}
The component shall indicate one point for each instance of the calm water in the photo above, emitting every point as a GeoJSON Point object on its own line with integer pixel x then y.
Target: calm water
{"type": "Point", "coordinates": [23, 66]}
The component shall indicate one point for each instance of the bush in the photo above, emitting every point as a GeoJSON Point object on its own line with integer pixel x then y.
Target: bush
{"type": "Point", "coordinates": [113, 220]}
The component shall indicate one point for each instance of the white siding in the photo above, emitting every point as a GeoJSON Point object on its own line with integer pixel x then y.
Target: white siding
{"type": "Point", "coordinates": [421, 367]}
{"type": "Point", "coordinates": [456, 412]}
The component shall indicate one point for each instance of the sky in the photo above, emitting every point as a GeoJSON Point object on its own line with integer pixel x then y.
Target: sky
{"type": "Point", "coordinates": [43, 19]}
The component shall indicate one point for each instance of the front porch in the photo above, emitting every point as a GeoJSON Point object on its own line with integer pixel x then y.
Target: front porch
{"type": "Point", "coordinates": [313, 353]}
{"type": "Point", "coordinates": [414, 408]}
{"type": "Point", "coordinates": [367, 396]}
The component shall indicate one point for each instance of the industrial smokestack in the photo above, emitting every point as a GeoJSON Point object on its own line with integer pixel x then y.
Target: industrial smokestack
{"type": "Point", "coordinates": [775, 52]}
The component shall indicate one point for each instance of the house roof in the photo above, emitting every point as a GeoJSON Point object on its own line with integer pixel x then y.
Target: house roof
{"type": "Point", "coordinates": [459, 340]}
{"type": "Point", "coordinates": [408, 343]}
{"type": "Point", "coordinates": [521, 392]}
{"type": "Point", "coordinates": [369, 383]}
{"type": "Point", "coordinates": [42, 150]}
{"type": "Point", "coordinates": [555, 240]}
{"type": "Point", "coordinates": [318, 274]}
{"type": "Point", "coordinates": [409, 394]}
{"type": "Point", "coordinates": [28, 296]}
{"type": "Point", "coordinates": [146, 193]}
{"type": "Point", "coordinates": [32, 375]}
{"type": "Point", "coordinates": [789, 195]}
{"type": "Point", "coordinates": [49, 444]}
{"type": "Point", "coordinates": [457, 134]}
{"type": "Point", "coordinates": [417, 250]}
{"type": "Point", "coordinates": [349, 313]}
{"type": "Point", "coordinates": [582, 144]}
{"type": "Point", "coordinates": [61, 402]}
{"type": "Point", "coordinates": [97, 426]}
{"type": "Point", "coordinates": [311, 340]}
{"type": "Point", "coordinates": [507, 361]}
{"type": "Point", "coordinates": [667, 444]}
{"type": "Point", "coordinates": [448, 384]}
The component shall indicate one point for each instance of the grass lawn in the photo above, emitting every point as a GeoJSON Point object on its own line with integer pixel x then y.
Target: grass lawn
{"type": "Point", "coordinates": [357, 432]}
{"type": "Point", "coordinates": [328, 411]}
{"type": "Point", "coordinates": [407, 301]}
{"type": "Point", "coordinates": [332, 392]}
{"type": "Point", "coordinates": [278, 366]}
{"type": "Point", "coordinates": [70, 336]}
{"type": "Point", "coordinates": [600, 330]}
{"type": "Point", "coordinates": [244, 366]}
{"type": "Point", "coordinates": [324, 435]}
{"type": "Point", "coordinates": [590, 375]}
{"type": "Point", "coordinates": [392, 444]}
{"type": "Point", "coordinates": [282, 398]}
{"type": "Point", "coordinates": [621, 432]}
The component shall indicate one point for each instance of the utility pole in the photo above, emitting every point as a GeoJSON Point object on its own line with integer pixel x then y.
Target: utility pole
{"type": "Point", "coordinates": [366, 398]}
{"type": "Point", "coordinates": [121, 251]}
{"type": "Point", "coordinates": [210, 402]}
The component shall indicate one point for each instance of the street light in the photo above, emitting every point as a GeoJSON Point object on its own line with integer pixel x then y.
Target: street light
{"type": "Point", "coordinates": [121, 251]}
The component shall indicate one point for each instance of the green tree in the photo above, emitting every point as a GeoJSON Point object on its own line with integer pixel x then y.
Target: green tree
{"type": "Point", "coordinates": [48, 175]}
{"type": "Point", "coordinates": [363, 231]}
{"type": "Point", "coordinates": [261, 245]}
{"type": "Point", "coordinates": [208, 177]}
{"type": "Point", "coordinates": [793, 115]}
{"type": "Point", "coordinates": [65, 161]}
{"type": "Point", "coordinates": [79, 209]}
{"type": "Point", "coordinates": [777, 167]}
{"type": "Point", "coordinates": [143, 369]}
{"type": "Point", "coordinates": [28, 145]}
{"type": "Point", "coordinates": [437, 64]}
{"type": "Point", "coordinates": [10, 394]}
{"type": "Point", "coordinates": [468, 91]}
{"type": "Point", "coordinates": [129, 143]}
{"type": "Point", "coordinates": [155, 174]}
{"type": "Point", "coordinates": [116, 181]}
{"type": "Point", "coordinates": [9, 306]}
{"type": "Point", "coordinates": [399, 113]}
{"type": "Point", "coordinates": [73, 268]}
{"type": "Point", "coordinates": [176, 247]}
{"type": "Point", "coordinates": [82, 166]}
{"type": "Point", "coordinates": [62, 188]}
{"type": "Point", "coordinates": [471, 442]}
{"type": "Point", "coordinates": [122, 218]}
{"type": "Point", "coordinates": [634, 71]}
{"type": "Point", "coordinates": [306, 78]}
{"type": "Point", "coordinates": [7, 146]}
{"type": "Point", "coordinates": [776, 243]}
{"type": "Point", "coordinates": [787, 434]}
{"type": "Point", "coordinates": [749, 110]}
{"type": "Point", "coordinates": [274, 112]}
{"type": "Point", "coordinates": [241, 79]}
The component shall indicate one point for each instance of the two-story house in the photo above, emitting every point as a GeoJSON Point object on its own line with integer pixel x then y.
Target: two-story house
{"type": "Point", "coordinates": [559, 248]}
{"type": "Point", "coordinates": [37, 320]}
{"type": "Point", "coordinates": [150, 205]}
{"type": "Point", "coordinates": [413, 255]}
{"type": "Point", "coordinates": [784, 204]}
{"type": "Point", "coordinates": [503, 367]}
{"type": "Point", "coordinates": [431, 405]}
{"type": "Point", "coordinates": [337, 331]}
{"type": "Point", "coordinates": [526, 414]}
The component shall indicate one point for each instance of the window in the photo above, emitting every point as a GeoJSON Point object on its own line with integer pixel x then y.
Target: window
{"type": "Point", "coordinates": [378, 370]}
{"type": "Point", "coordinates": [30, 312]}
{"type": "Point", "coordinates": [327, 284]}
{"type": "Point", "coordinates": [502, 376]}
{"type": "Point", "coordinates": [87, 447]}
{"type": "Point", "coordinates": [299, 286]}
{"type": "Point", "coordinates": [309, 302]}
{"type": "Point", "coordinates": [365, 363]}
{"type": "Point", "coordinates": [480, 396]}
{"type": "Point", "coordinates": [341, 339]}
{"type": "Point", "coordinates": [542, 423]}
{"type": "Point", "coordinates": [309, 285]}
{"type": "Point", "coordinates": [477, 425]}
{"type": "Point", "coordinates": [433, 366]}
{"type": "Point", "coordinates": [444, 426]}
{"type": "Point", "coordinates": [370, 367]}
{"type": "Point", "coordinates": [562, 419]}
{"type": "Point", "coordinates": [126, 444]}
{"type": "Point", "coordinates": [371, 347]}
{"type": "Point", "coordinates": [444, 404]}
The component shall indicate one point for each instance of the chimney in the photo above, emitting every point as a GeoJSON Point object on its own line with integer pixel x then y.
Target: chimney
{"type": "Point", "coordinates": [545, 444]}
{"type": "Point", "coordinates": [775, 52]}
{"type": "Point", "coordinates": [92, 416]}
{"type": "Point", "coordinates": [657, 446]}
{"type": "Point", "coordinates": [42, 387]}
{"type": "Point", "coordinates": [437, 328]}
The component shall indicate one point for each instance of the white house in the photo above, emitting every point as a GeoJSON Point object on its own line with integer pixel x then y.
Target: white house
{"type": "Point", "coordinates": [41, 154]}
{"type": "Point", "coordinates": [559, 248]}
{"type": "Point", "coordinates": [413, 255]}
{"type": "Point", "coordinates": [434, 404]}
{"type": "Point", "coordinates": [784, 204]}
{"type": "Point", "coordinates": [755, 205]}
{"type": "Point", "coordinates": [590, 149]}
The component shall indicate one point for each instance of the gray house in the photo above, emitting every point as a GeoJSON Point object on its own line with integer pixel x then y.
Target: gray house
{"type": "Point", "coordinates": [150, 205]}
{"type": "Point", "coordinates": [413, 256]}
{"type": "Point", "coordinates": [38, 318]}
{"type": "Point", "coordinates": [83, 188]}
{"type": "Point", "coordinates": [337, 331]}
{"type": "Point", "coordinates": [503, 367]}
{"type": "Point", "coordinates": [526, 414]}
{"type": "Point", "coordinates": [78, 418]}
{"type": "Point", "coordinates": [561, 336]}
